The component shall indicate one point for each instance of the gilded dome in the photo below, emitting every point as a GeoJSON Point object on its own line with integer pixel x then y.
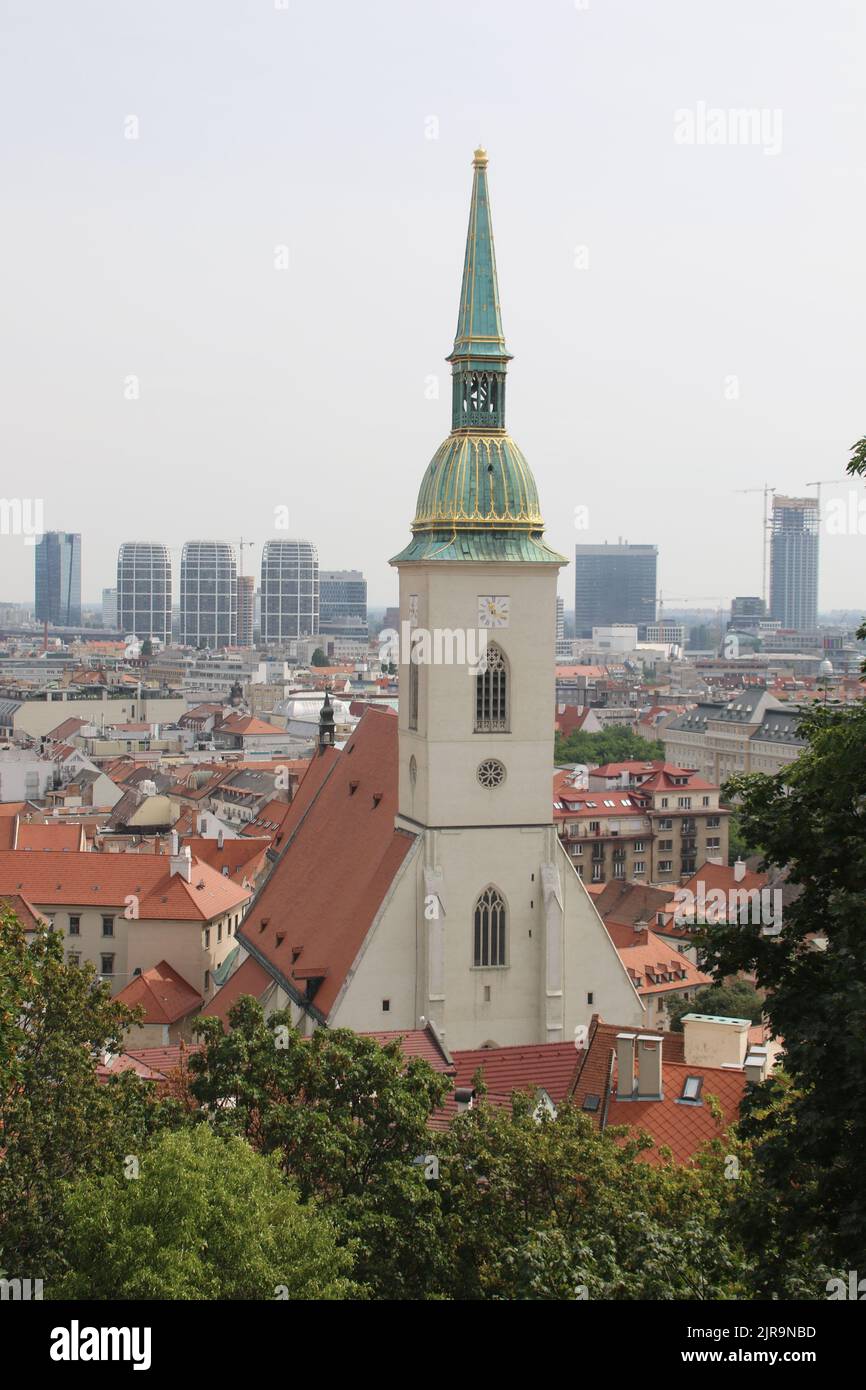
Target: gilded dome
{"type": "Point", "coordinates": [477, 480]}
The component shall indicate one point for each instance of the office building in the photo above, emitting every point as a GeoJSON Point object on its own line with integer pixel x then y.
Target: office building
{"type": "Point", "coordinates": [109, 608]}
{"type": "Point", "coordinates": [58, 578]}
{"type": "Point", "coordinates": [614, 584]}
{"type": "Point", "coordinates": [343, 604]}
{"type": "Point", "coordinates": [208, 595]}
{"type": "Point", "coordinates": [290, 590]}
{"type": "Point", "coordinates": [144, 590]}
{"type": "Point", "coordinates": [794, 562]}
{"type": "Point", "coordinates": [747, 611]}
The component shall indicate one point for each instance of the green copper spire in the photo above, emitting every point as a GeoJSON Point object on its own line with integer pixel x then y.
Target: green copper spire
{"type": "Point", "coordinates": [479, 324]}
{"type": "Point", "coordinates": [478, 500]}
{"type": "Point", "coordinates": [479, 357]}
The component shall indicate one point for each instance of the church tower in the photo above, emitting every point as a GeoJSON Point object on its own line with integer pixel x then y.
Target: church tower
{"type": "Point", "coordinates": [476, 746]}
{"type": "Point", "coordinates": [476, 738]}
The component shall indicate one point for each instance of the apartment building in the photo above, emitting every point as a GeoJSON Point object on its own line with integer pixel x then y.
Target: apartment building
{"type": "Point", "coordinates": [126, 913]}
{"type": "Point", "coordinates": [649, 822]}
{"type": "Point", "coordinates": [751, 732]}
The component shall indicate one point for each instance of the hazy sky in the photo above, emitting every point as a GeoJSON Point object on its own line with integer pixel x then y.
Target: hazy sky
{"type": "Point", "coordinates": [686, 318]}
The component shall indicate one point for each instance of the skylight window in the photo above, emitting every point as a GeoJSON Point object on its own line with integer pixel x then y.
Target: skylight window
{"type": "Point", "coordinates": [692, 1088]}
{"type": "Point", "coordinates": [591, 1103]}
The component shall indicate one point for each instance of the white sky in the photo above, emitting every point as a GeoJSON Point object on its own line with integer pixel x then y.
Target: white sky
{"type": "Point", "coordinates": [307, 387]}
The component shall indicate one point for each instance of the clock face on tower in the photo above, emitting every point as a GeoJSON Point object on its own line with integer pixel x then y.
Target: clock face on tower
{"type": "Point", "coordinates": [493, 610]}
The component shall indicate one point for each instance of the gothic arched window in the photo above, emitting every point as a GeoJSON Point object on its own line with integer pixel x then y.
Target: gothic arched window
{"type": "Point", "coordinates": [490, 925]}
{"type": "Point", "coordinates": [491, 692]}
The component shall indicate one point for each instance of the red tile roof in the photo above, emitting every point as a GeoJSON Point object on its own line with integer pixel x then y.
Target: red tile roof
{"type": "Point", "coordinates": [684, 1128]}
{"type": "Point", "coordinates": [525, 1067]}
{"type": "Point", "coordinates": [29, 916]}
{"type": "Point", "coordinates": [164, 995]}
{"type": "Point", "coordinates": [655, 967]}
{"type": "Point", "coordinates": [246, 725]}
{"type": "Point", "coordinates": [58, 879]}
{"type": "Point", "coordinates": [270, 821]}
{"type": "Point", "coordinates": [340, 855]}
{"type": "Point", "coordinates": [48, 836]}
{"type": "Point", "coordinates": [243, 857]}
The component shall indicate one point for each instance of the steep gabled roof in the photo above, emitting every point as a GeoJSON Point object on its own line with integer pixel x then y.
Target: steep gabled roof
{"type": "Point", "coordinates": [164, 995]}
{"type": "Point", "coordinates": [340, 855]}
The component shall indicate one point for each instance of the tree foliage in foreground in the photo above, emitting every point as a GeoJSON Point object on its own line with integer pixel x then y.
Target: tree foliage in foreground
{"type": "Point", "coordinates": [204, 1218]}
{"type": "Point", "coordinates": [811, 1136]}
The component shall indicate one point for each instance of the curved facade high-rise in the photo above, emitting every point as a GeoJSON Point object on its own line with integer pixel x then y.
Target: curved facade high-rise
{"type": "Point", "coordinates": [144, 589]}
{"type": "Point", "coordinates": [290, 590]}
{"type": "Point", "coordinates": [208, 595]}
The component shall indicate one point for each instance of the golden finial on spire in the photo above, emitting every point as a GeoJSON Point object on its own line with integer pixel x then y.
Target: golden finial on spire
{"type": "Point", "coordinates": [480, 160]}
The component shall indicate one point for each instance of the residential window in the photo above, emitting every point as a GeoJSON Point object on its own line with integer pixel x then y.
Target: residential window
{"type": "Point", "coordinates": [107, 965]}
{"type": "Point", "coordinates": [666, 824]}
{"type": "Point", "coordinates": [665, 866]}
{"type": "Point", "coordinates": [685, 802]}
{"type": "Point", "coordinates": [597, 873]}
{"type": "Point", "coordinates": [491, 693]}
{"type": "Point", "coordinates": [207, 938]}
{"type": "Point", "coordinates": [705, 801]}
{"type": "Point", "coordinates": [73, 957]}
{"type": "Point", "coordinates": [577, 849]}
{"type": "Point", "coordinates": [219, 931]}
{"type": "Point", "coordinates": [589, 997]}
{"type": "Point", "coordinates": [640, 866]}
{"type": "Point", "coordinates": [108, 926]}
{"type": "Point", "coordinates": [619, 868]}
{"type": "Point", "coordinates": [666, 844]}
{"type": "Point", "coordinates": [206, 981]}
{"type": "Point", "coordinates": [713, 822]}
{"type": "Point", "coordinates": [692, 1088]}
{"type": "Point", "coordinates": [594, 827]}
{"type": "Point", "coordinates": [713, 842]}
{"type": "Point", "coordinates": [663, 803]}
{"type": "Point", "coordinates": [386, 1006]}
{"type": "Point", "coordinates": [490, 926]}
{"type": "Point", "coordinates": [74, 926]}
{"type": "Point", "coordinates": [638, 846]}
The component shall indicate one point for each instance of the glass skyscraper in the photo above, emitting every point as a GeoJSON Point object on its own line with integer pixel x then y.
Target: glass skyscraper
{"type": "Point", "coordinates": [208, 595]}
{"type": "Point", "coordinates": [614, 584]}
{"type": "Point", "coordinates": [290, 590]}
{"type": "Point", "coordinates": [144, 590]}
{"type": "Point", "coordinates": [58, 578]}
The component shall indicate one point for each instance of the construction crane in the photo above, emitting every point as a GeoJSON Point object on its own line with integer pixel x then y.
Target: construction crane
{"type": "Point", "coordinates": [242, 544]}
{"type": "Point", "coordinates": [767, 491]}
{"type": "Point", "coordinates": [818, 485]}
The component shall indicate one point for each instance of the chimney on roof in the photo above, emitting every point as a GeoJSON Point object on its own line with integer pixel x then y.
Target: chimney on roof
{"type": "Point", "coordinates": [641, 925]}
{"type": "Point", "coordinates": [464, 1097]}
{"type": "Point", "coordinates": [625, 1065]}
{"type": "Point", "coordinates": [173, 842]}
{"type": "Point", "coordinates": [220, 838]}
{"type": "Point", "coordinates": [182, 864]}
{"type": "Point", "coordinates": [757, 1064]}
{"type": "Point", "coordinates": [649, 1067]}
{"type": "Point", "coordinates": [715, 1042]}
{"type": "Point", "coordinates": [739, 871]}
{"type": "Point", "coordinates": [624, 777]}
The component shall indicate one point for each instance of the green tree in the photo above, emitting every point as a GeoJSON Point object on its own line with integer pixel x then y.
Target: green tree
{"type": "Point", "coordinates": [205, 1218]}
{"type": "Point", "coordinates": [736, 1000]}
{"type": "Point", "coordinates": [346, 1119]}
{"type": "Point", "coordinates": [56, 1121]}
{"type": "Point", "coordinates": [612, 745]}
{"type": "Point", "coordinates": [811, 816]}
{"type": "Point", "coordinates": [542, 1207]}
{"type": "Point", "coordinates": [318, 658]}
